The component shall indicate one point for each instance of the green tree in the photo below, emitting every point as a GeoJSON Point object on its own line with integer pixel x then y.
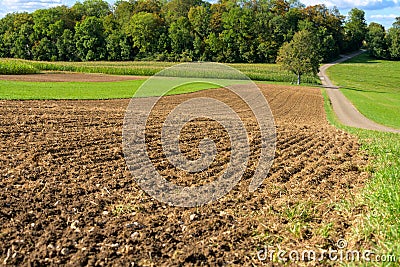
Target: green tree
{"type": "Point", "coordinates": [123, 12]}
{"type": "Point", "coordinates": [238, 35]}
{"type": "Point", "coordinates": [90, 39]}
{"type": "Point", "coordinates": [175, 9]}
{"type": "Point", "coordinates": [355, 29]}
{"type": "Point", "coordinates": [6, 43]}
{"type": "Point", "coordinates": [300, 55]}
{"type": "Point", "coordinates": [91, 8]}
{"type": "Point", "coordinates": [16, 32]}
{"type": "Point", "coordinates": [144, 29]}
{"type": "Point", "coordinates": [149, 6]}
{"type": "Point", "coordinates": [213, 48]}
{"type": "Point", "coordinates": [49, 26]}
{"type": "Point", "coordinates": [326, 24]}
{"type": "Point", "coordinates": [179, 33]}
{"type": "Point", "coordinates": [118, 46]}
{"type": "Point", "coordinates": [44, 50]}
{"type": "Point", "coordinates": [227, 31]}
{"type": "Point", "coordinates": [113, 47]}
{"type": "Point", "coordinates": [394, 40]}
{"type": "Point", "coordinates": [199, 18]}
{"type": "Point", "coordinates": [217, 10]}
{"type": "Point", "coordinates": [376, 40]}
{"type": "Point", "coordinates": [66, 48]}
{"type": "Point", "coordinates": [22, 46]}
{"type": "Point", "coordinates": [126, 48]}
{"type": "Point", "coordinates": [394, 43]}
{"type": "Point", "coordinates": [43, 19]}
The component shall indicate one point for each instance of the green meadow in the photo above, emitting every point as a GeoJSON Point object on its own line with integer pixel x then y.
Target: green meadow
{"type": "Point", "coordinates": [373, 86]}
{"type": "Point", "coordinates": [67, 90]}
{"type": "Point", "coordinates": [87, 90]}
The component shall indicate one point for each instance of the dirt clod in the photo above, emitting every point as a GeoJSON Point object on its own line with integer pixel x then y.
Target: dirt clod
{"type": "Point", "coordinates": [67, 193]}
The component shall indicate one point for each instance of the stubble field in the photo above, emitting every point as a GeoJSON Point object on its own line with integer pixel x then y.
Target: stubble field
{"type": "Point", "coordinates": [68, 198]}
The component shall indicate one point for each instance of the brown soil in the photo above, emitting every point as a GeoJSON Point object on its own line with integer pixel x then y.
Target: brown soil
{"type": "Point", "coordinates": [68, 198]}
{"type": "Point", "coordinates": [68, 77]}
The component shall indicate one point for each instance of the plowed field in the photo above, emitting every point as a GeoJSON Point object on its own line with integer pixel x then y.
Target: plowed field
{"type": "Point", "coordinates": [67, 196]}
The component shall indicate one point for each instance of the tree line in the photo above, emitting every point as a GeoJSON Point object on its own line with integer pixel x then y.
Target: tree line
{"type": "Point", "coordinates": [384, 44]}
{"type": "Point", "coordinates": [179, 30]}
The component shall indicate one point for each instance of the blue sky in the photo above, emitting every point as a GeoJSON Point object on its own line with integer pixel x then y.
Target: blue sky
{"type": "Point", "coordinates": [381, 11]}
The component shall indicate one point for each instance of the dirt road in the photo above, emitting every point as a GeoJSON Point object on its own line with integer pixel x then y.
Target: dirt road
{"type": "Point", "coordinates": [344, 109]}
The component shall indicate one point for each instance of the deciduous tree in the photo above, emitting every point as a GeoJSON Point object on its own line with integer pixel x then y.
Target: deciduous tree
{"type": "Point", "coordinates": [90, 39]}
{"type": "Point", "coordinates": [376, 41]}
{"type": "Point", "coordinates": [300, 55]}
{"type": "Point", "coordinates": [355, 29]}
{"type": "Point", "coordinates": [144, 30]}
{"type": "Point", "coordinates": [394, 40]}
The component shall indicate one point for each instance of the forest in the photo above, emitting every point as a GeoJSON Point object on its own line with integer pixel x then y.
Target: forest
{"type": "Point", "coordinates": [188, 30]}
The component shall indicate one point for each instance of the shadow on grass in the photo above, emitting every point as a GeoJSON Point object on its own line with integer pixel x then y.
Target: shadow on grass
{"type": "Point", "coordinates": [364, 58]}
{"type": "Point", "coordinates": [361, 90]}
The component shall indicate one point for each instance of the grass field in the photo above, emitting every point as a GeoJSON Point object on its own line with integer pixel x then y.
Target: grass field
{"type": "Point", "coordinates": [380, 226]}
{"type": "Point", "coordinates": [258, 72]}
{"type": "Point", "coordinates": [21, 90]}
{"type": "Point", "coordinates": [264, 73]}
{"type": "Point", "coordinates": [373, 86]}
{"type": "Point", "coordinates": [24, 90]}
{"type": "Point", "coordinates": [67, 90]}
{"type": "Point", "coordinates": [86, 90]}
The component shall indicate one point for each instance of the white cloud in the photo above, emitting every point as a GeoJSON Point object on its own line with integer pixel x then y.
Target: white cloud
{"type": "Point", "coordinates": [8, 6]}
{"type": "Point", "coordinates": [384, 16]}
{"type": "Point", "coordinates": [363, 4]}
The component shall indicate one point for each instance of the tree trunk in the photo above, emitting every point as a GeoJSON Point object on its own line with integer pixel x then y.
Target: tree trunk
{"type": "Point", "coordinates": [298, 79]}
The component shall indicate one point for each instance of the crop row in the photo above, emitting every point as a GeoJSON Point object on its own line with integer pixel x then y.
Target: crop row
{"type": "Point", "coordinates": [258, 72]}
{"type": "Point", "coordinates": [12, 66]}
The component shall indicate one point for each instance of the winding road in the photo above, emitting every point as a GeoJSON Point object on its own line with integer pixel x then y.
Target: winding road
{"type": "Point", "coordinates": [344, 109]}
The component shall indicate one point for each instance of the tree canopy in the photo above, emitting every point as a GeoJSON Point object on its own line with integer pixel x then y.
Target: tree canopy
{"type": "Point", "coordinates": [178, 30]}
{"type": "Point", "coordinates": [301, 54]}
{"type": "Point", "coordinates": [355, 29]}
{"type": "Point", "coordinates": [384, 44]}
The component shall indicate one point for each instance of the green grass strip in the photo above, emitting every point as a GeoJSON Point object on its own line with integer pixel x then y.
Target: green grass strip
{"type": "Point", "coordinates": [16, 90]}
{"type": "Point", "coordinates": [381, 225]}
